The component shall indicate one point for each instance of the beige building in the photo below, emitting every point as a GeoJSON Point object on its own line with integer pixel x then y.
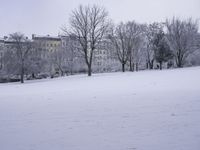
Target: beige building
{"type": "Point", "coordinates": [105, 58]}
{"type": "Point", "coordinates": [1, 53]}
{"type": "Point", "coordinates": [46, 44]}
{"type": "Point", "coordinates": [5, 44]}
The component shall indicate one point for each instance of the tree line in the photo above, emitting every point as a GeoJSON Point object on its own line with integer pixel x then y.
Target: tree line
{"type": "Point", "coordinates": [172, 41]}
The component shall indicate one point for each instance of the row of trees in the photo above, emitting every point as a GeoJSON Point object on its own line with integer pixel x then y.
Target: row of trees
{"type": "Point", "coordinates": [174, 40]}
{"type": "Point", "coordinates": [22, 56]}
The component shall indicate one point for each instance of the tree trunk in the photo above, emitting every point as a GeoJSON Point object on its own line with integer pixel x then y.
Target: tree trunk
{"type": "Point", "coordinates": [33, 75]}
{"type": "Point", "coordinates": [62, 73]}
{"type": "Point", "coordinates": [89, 70]}
{"type": "Point", "coordinates": [179, 63]}
{"type": "Point", "coordinates": [131, 67]}
{"type": "Point", "coordinates": [136, 66]}
{"type": "Point", "coordinates": [160, 65]}
{"type": "Point", "coordinates": [71, 67]}
{"type": "Point", "coordinates": [123, 67]}
{"type": "Point", "coordinates": [22, 75]}
{"type": "Point", "coordinates": [147, 65]}
{"type": "Point", "coordinates": [71, 71]}
{"type": "Point", "coordinates": [151, 64]}
{"type": "Point", "coordinates": [22, 71]}
{"type": "Point", "coordinates": [1, 67]}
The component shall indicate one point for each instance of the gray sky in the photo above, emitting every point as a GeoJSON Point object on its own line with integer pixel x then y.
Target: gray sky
{"type": "Point", "coordinates": [47, 16]}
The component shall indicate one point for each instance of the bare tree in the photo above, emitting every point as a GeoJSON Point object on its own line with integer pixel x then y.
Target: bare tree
{"type": "Point", "coordinates": [182, 38]}
{"type": "Point", "coordinates": [150, 31]}
{"type": "Point", "coordinates": [73, 57]}
{"type": "Point", "coordinates": [119, 39]}
{"type": "Point", "coordinates": [162, 50]}
{"type": "Point", "coordinates": [59, 59]}
{"type": "Point", "coordinates": [88, 25]}
{"type": "Point", "coordinates": [133, 42]}
{"type": "Point", "coordinates": [10, 62]}
{"type": "Point", "coordinates": [138, 52]}
{"type": "Point", "coordinates": [36, 62]}
{"type": "Point", "coordinates": [21, 48]}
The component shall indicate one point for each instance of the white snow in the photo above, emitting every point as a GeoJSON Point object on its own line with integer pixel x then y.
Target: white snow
{"type": "Point", "coordinates": [148, 110]}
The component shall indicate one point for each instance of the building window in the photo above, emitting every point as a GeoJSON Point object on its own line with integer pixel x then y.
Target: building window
{"type": "Point", "coordinates": [99, 63]}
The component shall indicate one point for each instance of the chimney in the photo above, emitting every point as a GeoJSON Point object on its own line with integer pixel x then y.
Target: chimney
{"type": "Point", "coordinates": [5, 37]}
{"type": "Point", "coordinates": [33, 36]}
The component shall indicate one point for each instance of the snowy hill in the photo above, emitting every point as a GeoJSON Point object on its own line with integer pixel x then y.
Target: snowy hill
{"type": "Point", "coordinates": [148, 110]}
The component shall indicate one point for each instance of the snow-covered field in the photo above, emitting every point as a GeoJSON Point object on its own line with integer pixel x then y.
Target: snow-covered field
{"type": "Point", "coordinates": [148, 110]}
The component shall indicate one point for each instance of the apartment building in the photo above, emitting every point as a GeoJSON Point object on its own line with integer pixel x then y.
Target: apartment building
{"type": "Point", "coordinates": [5, 44]}
{"type": "Point", "coordinates": [46, 44]}
{"type": "Point", "coordinates": [75, 57]}
{"type": "Point", "coordinates": [1, 52]}
{"type": "Point", "coordinates": [105, 58]}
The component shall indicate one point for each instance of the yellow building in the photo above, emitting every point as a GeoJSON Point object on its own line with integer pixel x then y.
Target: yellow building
{"type": "Point", "coordinates": [47, 45]}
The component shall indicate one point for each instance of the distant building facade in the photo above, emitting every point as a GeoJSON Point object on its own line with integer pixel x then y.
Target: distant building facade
{"type": "Point", "coordinates": [1, 53]}
{"type": "Point", "coordinates": [104, 59]}
{"type": "Point", "coordinates": [46, 44]}
{"type": "Point", "coordinates": [75, 56]}
{"type": "Point", "coordinates": [5, 45]}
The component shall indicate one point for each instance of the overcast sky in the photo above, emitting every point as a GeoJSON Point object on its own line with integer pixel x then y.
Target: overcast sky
{"type": "Point", "coordinates": [47, 16]}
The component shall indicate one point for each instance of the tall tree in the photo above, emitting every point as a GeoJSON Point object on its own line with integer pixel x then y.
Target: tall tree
{"type": "Point", "coordinates": [120, 41]}
{"type": "Point", "coordinates": [21, 49]}
{"type": "Point", "coordinates": [162, 50]}
{"type": "Point", "coordinates": [59, 59]}
{"type": "Point", "coordinates": [150, 32]}
{"type": "Point", "coordinates": [138, 53]}
{"type": "Point", "coordinates": [182, 37]}
{"type": "Point", "coordinates": [133, 33]}
{"type": "Point", "coordinates": [89, 25]}
{"type": "Point", "coordinates": [72, 50]}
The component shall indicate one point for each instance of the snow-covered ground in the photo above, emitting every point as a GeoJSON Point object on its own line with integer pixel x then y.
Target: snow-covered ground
{"type": "Point", "coordinates": [148, 110]}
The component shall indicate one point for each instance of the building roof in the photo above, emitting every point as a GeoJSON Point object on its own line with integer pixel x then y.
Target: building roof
{"type": "Point", "coordinates": [47, 37]}
{"type": "Point", "coordinates": [1, 40]}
